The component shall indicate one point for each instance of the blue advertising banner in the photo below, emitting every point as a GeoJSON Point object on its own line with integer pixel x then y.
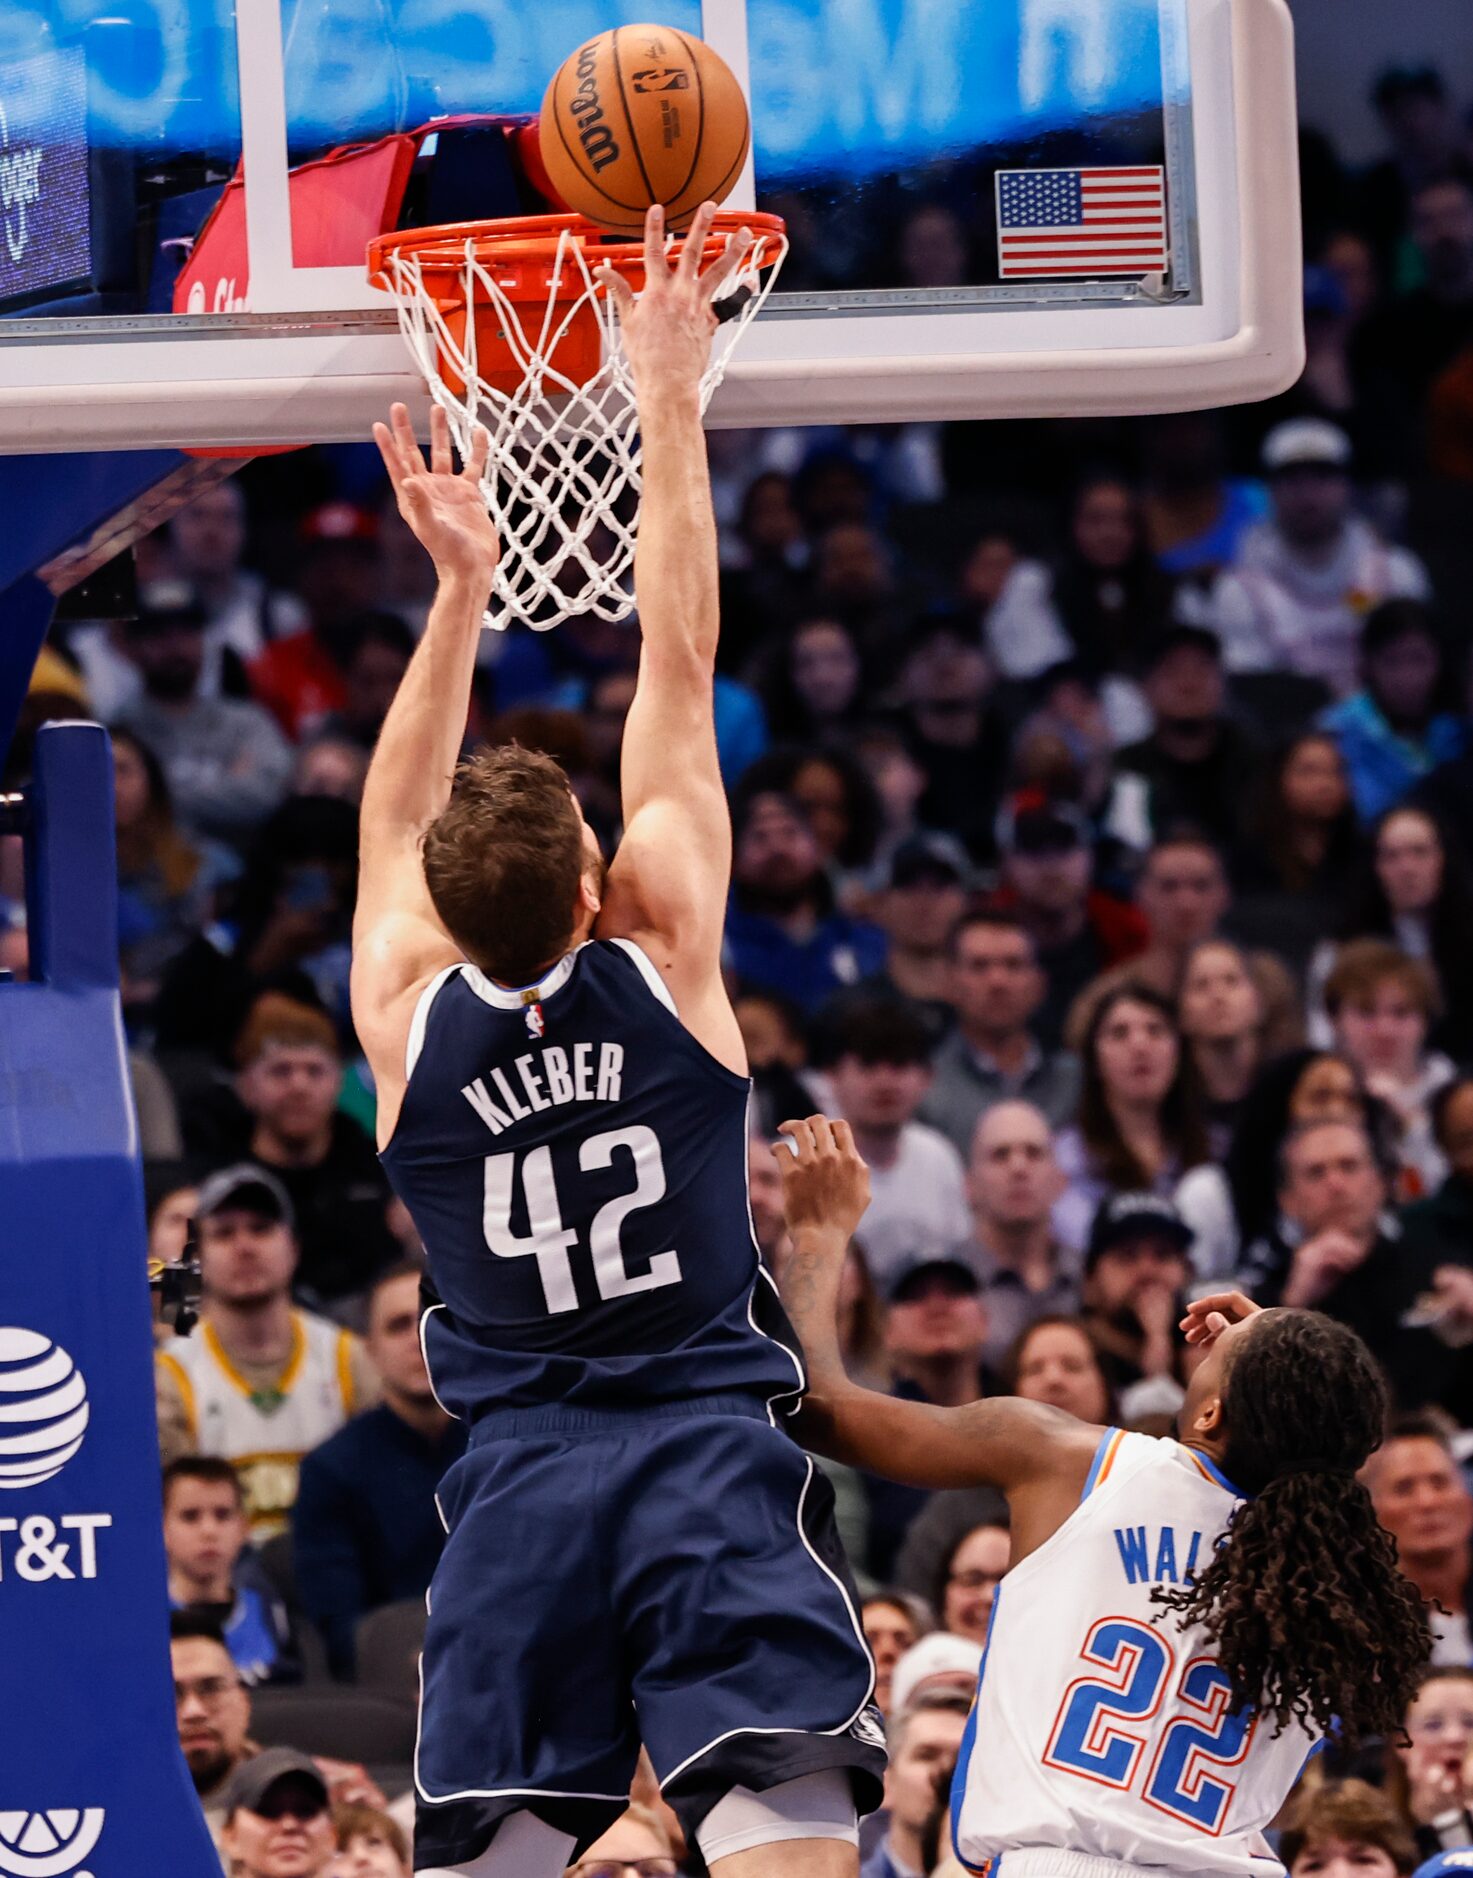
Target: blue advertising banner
{"type": "Point", "coordinates": [844, 85]}
{"type": "Point", "coordinates": [45, 234]}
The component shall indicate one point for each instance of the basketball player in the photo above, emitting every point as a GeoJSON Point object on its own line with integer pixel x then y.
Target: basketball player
{"type": "Point", "coordinates": [1183, 1621]}
{"type": "Point", "coordinates": [635, 1551]}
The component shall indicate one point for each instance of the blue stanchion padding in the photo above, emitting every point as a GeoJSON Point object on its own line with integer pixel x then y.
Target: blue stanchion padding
{"type": "Point", "coordinates": [91, 1778]}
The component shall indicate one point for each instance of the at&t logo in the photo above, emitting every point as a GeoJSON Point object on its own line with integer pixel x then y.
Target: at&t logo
{"type": "Point", "coordinates": [50, 1844]}
{"type": "Point", "coordinates": [43, 1408]}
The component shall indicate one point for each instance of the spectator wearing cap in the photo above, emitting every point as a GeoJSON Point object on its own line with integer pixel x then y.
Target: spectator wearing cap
{"type": "Point", "coordinates": [879, 1071]}
{"type": "Point", "coordinates": [278, 1818]}
{"type": "Point", "coordinates": [1013, 1183]}
{"type": "Point", "coordinates": [925, 1738]}
{"type": "Point", "coordinates": [1045, 883]}
{"type": "Point", "coordinates": [259, 1383]}
{"type": "Point", "coordinates": [783, 930]}
{"type": "Point", "coordinates": [1193, 763]}
{"type": "Point", "coordinates": [1136, 1271]}
{"type": "Point", "coordinates": [301, 679]}
{"type": "Point", "coordinates": [1305, 579]}
{"type": "Point", "coordinates": [213, 1573]}
{"type": "Point", "coordinates": [365, 1526]}
{"type": "Point", "coordinates": [289, 1080]}
{"type": "Point", "coordinates": [1391, 732]}
{"type": "Point", "coordinates": [996, 988]}
{"type": "Point", "coordinates": [925, 894]}
{"type": "Point", "coordinates": [226, 763]}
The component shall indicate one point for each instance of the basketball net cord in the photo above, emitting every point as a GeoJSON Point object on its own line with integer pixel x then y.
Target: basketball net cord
{"type": "Point", "coordinates": [563, 475]}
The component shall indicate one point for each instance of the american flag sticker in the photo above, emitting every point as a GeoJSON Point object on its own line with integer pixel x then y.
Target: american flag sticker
{"type": "Point", "coordinates": [1081, 222]}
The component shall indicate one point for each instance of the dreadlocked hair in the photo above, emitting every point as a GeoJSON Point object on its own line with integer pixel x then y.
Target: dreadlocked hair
{"type": "Point", "coordinates": [1309, 1616]}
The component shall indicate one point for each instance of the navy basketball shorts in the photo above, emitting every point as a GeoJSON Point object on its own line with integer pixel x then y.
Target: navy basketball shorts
{"type": "Point", "coordinates": [668, 1576]}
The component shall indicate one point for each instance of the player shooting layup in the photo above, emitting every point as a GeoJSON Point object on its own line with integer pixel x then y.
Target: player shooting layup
{"type": "Point", "coordinates": [1183, 1620]}
{"type": "Point", "coordinates": [635, 1550]}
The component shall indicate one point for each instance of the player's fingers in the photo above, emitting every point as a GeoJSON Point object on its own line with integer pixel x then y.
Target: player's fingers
{"type": "Point", "coordinates": [844, 1139]}
{"type": "Point", "coordinates": [618, 287]}
{"type": "Point", "coordinates": [823, 1134]}
{"type": "Point", "coordinates": [441, 461]}
{"type": "Point", "coordinates": [389, 451]}
{"type": "Point", "coordinates": [800, 1135]}
{"type": "Point", "coordinates": [692, 254]}
{"type": "Point", "coordinates": [656, 267]}
{"type": "Point", "coordinates": [716, 276]}
{"type": "Point", "coordinates": [475, 463]}
{"type": "Point", "coordinates": [405, 439]}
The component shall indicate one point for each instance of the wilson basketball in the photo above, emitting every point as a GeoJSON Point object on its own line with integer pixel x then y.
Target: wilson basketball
{"type": "Point", "coordinates": [640, 115]}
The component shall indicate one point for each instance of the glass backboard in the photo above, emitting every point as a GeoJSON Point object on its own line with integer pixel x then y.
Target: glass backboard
{"type": "Point", "coordinates": [1003, 207]}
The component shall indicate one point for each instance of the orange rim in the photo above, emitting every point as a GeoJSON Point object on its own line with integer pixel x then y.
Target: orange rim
{"type": "Point", "coordinates": [537, 238]}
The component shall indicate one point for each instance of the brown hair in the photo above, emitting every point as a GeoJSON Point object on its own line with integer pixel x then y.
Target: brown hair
{"type": "Point", "coordinates": [156, 841]}
{"type": "Point", "coordinates": [361, 1822]}
{"type": "Point", "coordinates": [1351, 1810]}
{"type": "Point", "coordinates": [503, 861]}
{"type": "Point", "coordinates": [275, 1018]}
{"type": "Point", "coordinates": [209, 1468]}
{"type": "Point", "coordinates": [1181, 1113]}
{"type": "Point", "coordinates": [1364, 965]}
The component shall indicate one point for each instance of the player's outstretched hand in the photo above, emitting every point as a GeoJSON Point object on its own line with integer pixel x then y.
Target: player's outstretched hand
{"type": "Point", "coordinates": [1208, 1318]}
{"type": "Point", "coordinates": [667, 328]}
{"type": "Point", "coordinates": [825, 1180]}
{"type": "Point", "coordinates": [444, 506]}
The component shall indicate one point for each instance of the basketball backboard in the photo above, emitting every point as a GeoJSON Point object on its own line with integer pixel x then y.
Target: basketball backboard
{"type": "Point", "coordinates": [997, 207]}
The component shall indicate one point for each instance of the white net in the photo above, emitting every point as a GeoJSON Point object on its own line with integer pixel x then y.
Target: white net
{"type": "Point", "coordinates": [563, 472]}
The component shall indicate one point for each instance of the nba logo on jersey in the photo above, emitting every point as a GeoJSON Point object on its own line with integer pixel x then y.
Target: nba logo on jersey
{"type": "Point", "coordinates": [536, 1022]}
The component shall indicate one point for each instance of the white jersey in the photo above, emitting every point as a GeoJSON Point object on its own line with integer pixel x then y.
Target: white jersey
{"type": "Point", "coordinates": [1101, 1736]}
{"type": "Point", "coordinates": [266, 1435]}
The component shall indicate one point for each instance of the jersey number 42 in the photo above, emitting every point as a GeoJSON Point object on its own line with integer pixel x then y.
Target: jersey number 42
{"type": "Point", "coordinates": [549, 1241]}
{"type": "Point", "coordinates": [1112, 1727]}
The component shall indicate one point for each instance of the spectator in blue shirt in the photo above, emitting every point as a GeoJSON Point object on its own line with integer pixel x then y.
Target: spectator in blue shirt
{"type": "Point", "coordinates": [214, 1574]}
{"type": "Point", "coordinates": [783, 932]}
{"type": "Point", "coordinates": [366, 1529]}
{"type": "Point", "coordinates": [1391, 733]}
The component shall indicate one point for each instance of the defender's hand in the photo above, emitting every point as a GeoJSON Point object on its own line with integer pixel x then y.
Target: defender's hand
{"type": "Point", "coordinates": [667, 328]}
{"type": "Point", "coordinates": [442, 505]}
{"type": "Point", "coordinates": [825, 1180]}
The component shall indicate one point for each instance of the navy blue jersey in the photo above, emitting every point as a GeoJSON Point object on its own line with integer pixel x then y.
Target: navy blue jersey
{"type": "Point", "coordinates": [576, 1164]}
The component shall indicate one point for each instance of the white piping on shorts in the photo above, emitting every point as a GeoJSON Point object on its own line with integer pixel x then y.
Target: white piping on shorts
{"type": "Point", "coordinates": [843, 1727]}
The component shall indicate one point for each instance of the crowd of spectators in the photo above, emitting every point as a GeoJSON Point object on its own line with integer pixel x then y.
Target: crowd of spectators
{"type": "Point", "coordinates": [1103, 809]}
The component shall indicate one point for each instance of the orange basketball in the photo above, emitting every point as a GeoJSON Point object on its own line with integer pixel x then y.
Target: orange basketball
{"type": "Point", "coordinates": [640, 115]}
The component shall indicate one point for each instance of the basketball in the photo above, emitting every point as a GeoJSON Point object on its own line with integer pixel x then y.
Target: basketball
{"type": "Point", "coordinates": [640, 115]}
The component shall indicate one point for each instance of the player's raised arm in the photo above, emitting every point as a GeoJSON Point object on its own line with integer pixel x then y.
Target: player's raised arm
{"type": "Point", "coordinates": [398, 940]}
{"type": "Point", "coordinates": [1006, 1443]}
{"type": "Point", "coordinates": [668, 885]}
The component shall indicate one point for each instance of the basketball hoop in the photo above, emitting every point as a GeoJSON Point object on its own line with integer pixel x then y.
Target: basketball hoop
{"type": "Point", "coordinates": [513, 333]}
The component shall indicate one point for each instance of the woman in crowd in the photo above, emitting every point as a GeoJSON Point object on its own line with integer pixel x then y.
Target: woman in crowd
{"type": "Point", "coordinates": [1221, 1014]}
{"type": "Point", "coordinates": [1430, 1773]}
{"type": "Point", "coordinates": [893, 1621]}
{"type": "Point", "coordinates": [1345, 1829]}
{"type": "Point", "coordinates": [1306, 844]}
{"type": "Point", "coordinates": [968, 1580]}
{"type": "Point", "coordinates": [165, 880]}
{"type": "Point", "coordinates": [816, 686]}
{"type": "Point", "coordinates": [1055, 1361]}
{"type": "Point", "coordinates": [1140, 1127]}
{"type": "Point", "coordinates": [370, 1845]}
{"type": "Point", "coordinates": [1382, 1005]}
{"type": "Point", "coordinates": [1230, 1206]}
{"type": "Point", "coordinates": [1414, 889]}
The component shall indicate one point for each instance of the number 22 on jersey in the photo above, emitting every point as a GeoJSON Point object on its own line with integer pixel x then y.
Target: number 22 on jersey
{"type": "Point", "coordinates": [1110, 1722]}
{"type": "Point", "coordinates": [550, 1242]}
